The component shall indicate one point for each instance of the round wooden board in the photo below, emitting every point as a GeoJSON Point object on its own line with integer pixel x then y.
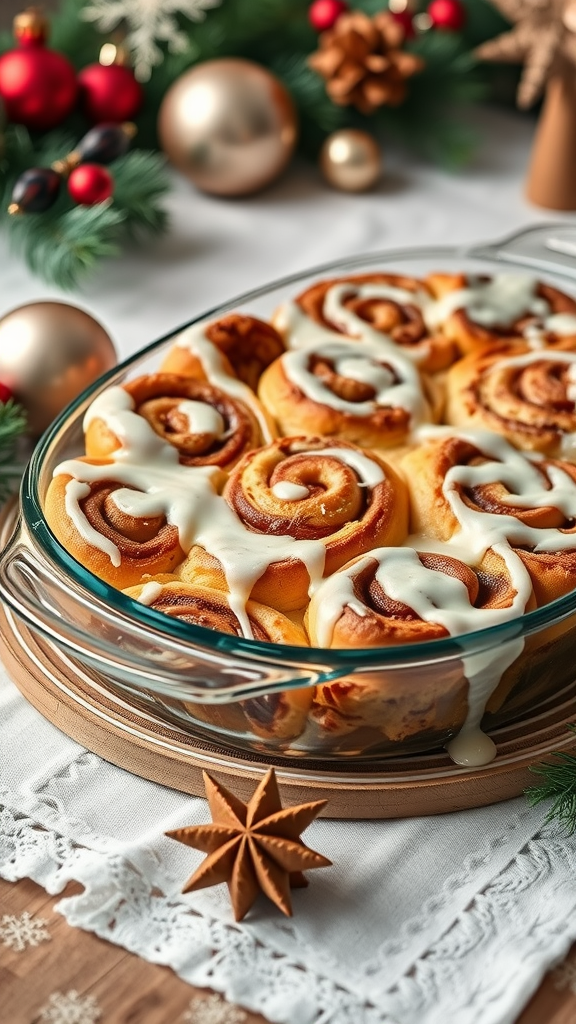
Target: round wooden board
{"type": "Point", "coordinates": [87, 709]}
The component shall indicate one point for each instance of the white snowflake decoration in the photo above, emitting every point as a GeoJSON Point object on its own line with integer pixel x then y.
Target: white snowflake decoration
{"type": "Point", "coordinates": [70, 1008]}
{"type": "Point", "coordinates": [20, 932]}
{"type": "Point", "coordinates": [147, 22]}
{"type": "Point", "coordinates": [213, 1010]}
{"type": "Point", "coordinates": [565, 976]}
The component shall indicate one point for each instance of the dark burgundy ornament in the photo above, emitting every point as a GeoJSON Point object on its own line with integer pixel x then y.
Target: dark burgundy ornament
{"type": "Point", "coordinates": [35, 191]}
{"type": "Point", "coordinates": [105, 143]}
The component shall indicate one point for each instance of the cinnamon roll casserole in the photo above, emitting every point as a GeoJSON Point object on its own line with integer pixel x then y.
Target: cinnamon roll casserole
{"type": "Point", "coordinates": [390, 461]}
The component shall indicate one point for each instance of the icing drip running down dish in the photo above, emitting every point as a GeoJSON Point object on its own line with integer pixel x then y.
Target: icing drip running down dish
{"type": "Point", "coordinates": [390, 462]}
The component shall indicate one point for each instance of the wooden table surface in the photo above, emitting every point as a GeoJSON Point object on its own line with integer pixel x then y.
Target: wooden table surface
{"type": "Point", "coordinates": [51, 973]}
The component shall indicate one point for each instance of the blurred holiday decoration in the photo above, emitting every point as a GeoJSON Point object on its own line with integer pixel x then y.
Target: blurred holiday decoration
{"type": "Point", "coordinates": [149, 22]}
{"type": "Point", "coordinates": [351, 160]}
{"type": "Point", "coordinates": [228, 125]}
{"type": "Point", "coordinates": [37, 85]}
{"type": "Point", "coordinates": [543, 39]}
{"type": "Point", "coordinates": [363, 62]}
{"type": "Point", "coordinates": [12, 426]}
{"type": "Point", "coordinates": [108, 89]}
{"type": "Point", "coordinates": [50, 352]}
{"type": "Point", "coordinates": [37, 189]}
{"type": "Point", "coordinates": [254, 847]}
{"type": "Point", "coordinates": [402, 72]}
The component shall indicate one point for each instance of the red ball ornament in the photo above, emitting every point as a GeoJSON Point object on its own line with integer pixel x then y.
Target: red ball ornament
{"type": "Point", "coordinates": [449, 15]}
{"type": "Point", "coordinates": [37, 85]}
{"type": "Point", "coordinates": [5, 393]}
{"type": "Point", "coordinates": [323, 14]}
{"type": "Point", "coordinates": [109, 92]}
{"type": "Point", "coordinates": [89, 184]}
{"type": "Point", "coordinates": [405, 19]}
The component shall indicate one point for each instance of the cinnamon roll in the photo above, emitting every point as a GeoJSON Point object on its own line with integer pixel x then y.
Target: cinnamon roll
{"type": "Point", "coordinates": [93, 519]}
{"type": "Point", "coordinates": [361, 393]}
{"type": "Point", "coordinates": [477, 311]}
{"type": "Point", "coordinates": [473, 490]}
{"type": "Point", "coordinates": [280, 715]}
{"type": "Point", "coordinates": [386, 308]}
{"type": "Point", "coordinates": [527, 395]}
{"type": "Point", "coordinates": [248, 345]}
{"type": "Point", "coordinates": [302, 507]}
{"type": "Point", "coordinates": [205, 425]}
{"type": "Point", "coordinates": [398, 595]}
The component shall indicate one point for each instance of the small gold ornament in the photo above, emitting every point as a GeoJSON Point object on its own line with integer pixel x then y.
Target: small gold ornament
{"type": "Point", "coordinates": [50, 352]}
{"type": "Point", "coordinates": [254, 847]}
{"type": "Point", "coordinates": [228, 125]}
{"type": "Point", "coordinates": [351, 160]}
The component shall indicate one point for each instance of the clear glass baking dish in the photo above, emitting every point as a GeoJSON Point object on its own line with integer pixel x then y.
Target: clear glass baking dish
{"type": "Point", "coordinates": [226, 689]}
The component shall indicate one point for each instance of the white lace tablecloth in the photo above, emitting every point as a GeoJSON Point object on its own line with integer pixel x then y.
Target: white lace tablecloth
{"type": "Point", "coordinates": [450, 919]}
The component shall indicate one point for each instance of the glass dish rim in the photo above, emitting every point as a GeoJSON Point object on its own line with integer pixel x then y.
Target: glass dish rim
{"type": "Point", "coordinates": [141, 615]}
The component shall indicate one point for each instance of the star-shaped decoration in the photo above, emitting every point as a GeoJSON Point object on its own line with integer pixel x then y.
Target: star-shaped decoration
{"type": "Point", "coordinates": [254, 847]}
{"type": "Point", "coordinates": [543, 39]}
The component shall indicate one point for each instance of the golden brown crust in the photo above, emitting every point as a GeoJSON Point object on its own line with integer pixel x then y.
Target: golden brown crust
{"type": "Point", "coordinates": [157, 398]}
{"type": "Point", "coordinates": [529, 404]}
{"type": "Point", "coordinates": [386, 426]}
{"type": "Point", "coordinates": [472, 337]}
{"type": "Point", "coordinates": [340, 511]}
{"type": "Point", "coordinates": [145, 546]}
{"type": "Point", "coordinates": [403, 323]}
{"type": "Point", "coordinates": [553, 573]}
{"type": "Point", "coordinates": [248, 346]}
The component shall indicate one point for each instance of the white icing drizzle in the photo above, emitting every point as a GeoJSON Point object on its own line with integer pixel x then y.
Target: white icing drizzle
{"type": "Point", "coordinates": [336, 312]}
{"type": "Point", "coordinates": [497, 302]}
{"type": "Point", "coordinates": [393, 377]}
{"type": "Point", "coordinates": [301, 331]}
{"type": "Point", "coordinates": [210, 357]}
{"type": "Point", "coordinates": [287, 491]}
{"type": "Point", "coordinates": [563, 325]}
{"type": "Point", "coordinates": [154, 483]}
{"type": "Point", "coordinates": [150, 591]}
{"type": "Point", "coordinates": [202, 418]}
{"type": "Point", "coordinates": [437, 598]}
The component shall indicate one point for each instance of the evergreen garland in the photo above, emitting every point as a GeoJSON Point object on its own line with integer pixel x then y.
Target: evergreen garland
{"type": "Point", "coordinates": [67, 241]}
{"type": "Point", "coordinates": [12, 425]}
{"type": "Point", "coordinates": [558, 785]}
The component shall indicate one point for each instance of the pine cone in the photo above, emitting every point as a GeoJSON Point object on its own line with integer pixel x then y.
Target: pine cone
{"type": "Point", "coordinates": [361, 60]}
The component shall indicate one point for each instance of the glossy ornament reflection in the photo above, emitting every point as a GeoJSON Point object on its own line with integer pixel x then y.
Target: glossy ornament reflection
{"type": "Point", "coordinates": [228, 125]}
{"type": "Point", "coordinates": [50, 352]}
{"type": "Point", "coordinates": [351, 160]}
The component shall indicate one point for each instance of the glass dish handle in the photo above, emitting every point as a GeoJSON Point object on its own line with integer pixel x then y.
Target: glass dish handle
{"type": "Point", "coordinates": [548, 247]}
{"type": "Point", "coordinates": [44, 600]}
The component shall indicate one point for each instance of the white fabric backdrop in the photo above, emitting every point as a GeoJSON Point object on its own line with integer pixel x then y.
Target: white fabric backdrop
{"type": "Point", "coordinates": [451, 919]}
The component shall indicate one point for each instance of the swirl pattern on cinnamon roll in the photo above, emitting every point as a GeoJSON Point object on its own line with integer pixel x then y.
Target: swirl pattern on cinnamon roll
{"type": "Point", "coordinates": [248, 345]}
{"type": "Point", "coordinates": [386, 308]}
{"type": "Point", "coordinates": [474, 491]}
{"type": "Point", "coordinates": [477, 311]}
{"type": "Point", "coordinates": [528, 396]}
{"type": "Point", "coordinates": [357, 392]}
{"type": "Point", "coordinates": [206, 426]}
{"type": "Point", "coordinates": [96, 523]}
{"type": "Point", "coordinates": [307, 505]}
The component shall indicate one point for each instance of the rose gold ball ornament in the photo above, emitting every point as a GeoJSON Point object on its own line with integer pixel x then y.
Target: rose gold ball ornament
{"type": "Point", "coordinates": [351, 160]}
{"type": "Point", "coordinates": [50, 352]}
{"type": "Point", "coordinates": [228, 125]}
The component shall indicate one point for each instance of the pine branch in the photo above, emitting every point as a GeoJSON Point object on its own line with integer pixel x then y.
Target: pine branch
{"type": "Point", "coordinates": [559, 785]}
{"type": "Point", "coordinates": [66, 242]}
{"type": "Point", "coordinates": [141, 182]}
{"type": "Point", "coordinates": [12, 425]}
